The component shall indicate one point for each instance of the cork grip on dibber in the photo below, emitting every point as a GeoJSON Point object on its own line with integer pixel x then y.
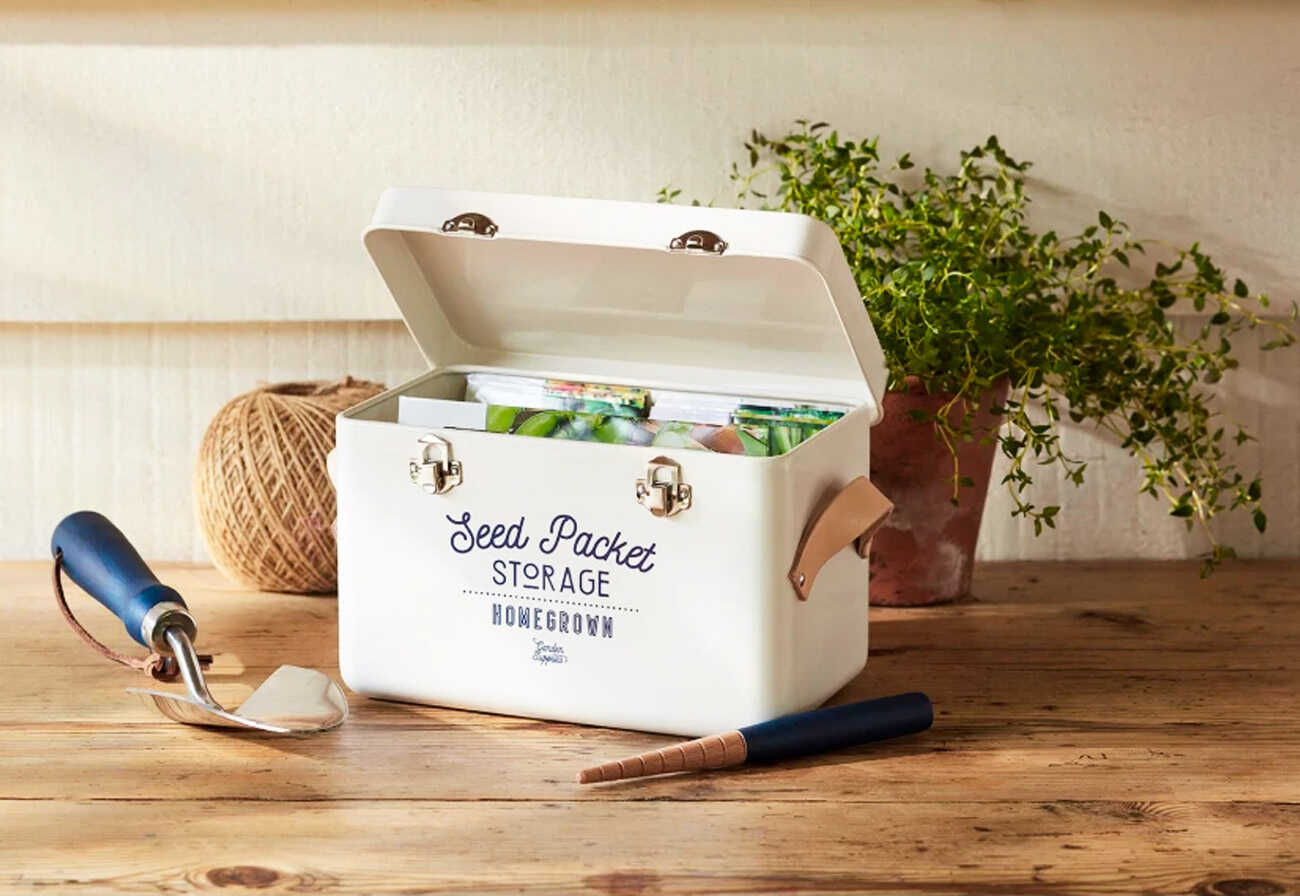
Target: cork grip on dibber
{"type": "Point", "coordinates": [714, 751]}
{"type": "Point", "coordinates": [787, 737]}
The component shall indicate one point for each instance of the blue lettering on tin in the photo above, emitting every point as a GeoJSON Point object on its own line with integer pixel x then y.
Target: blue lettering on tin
{"type": "Point", "coordinates": [465, 538]}
{"type": "Point", "coordinates": [562, 532]}
{"type": "Point", "coordinates": [537, 619]}
{"type": "Point", "coordinates": [548, 654]}
{"type": "Point", "coordinates": [549, 574]}
{"type": "Point", "coordinates": [545, 577]}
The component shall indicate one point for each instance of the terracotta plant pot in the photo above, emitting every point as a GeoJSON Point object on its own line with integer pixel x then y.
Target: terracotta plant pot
{"type": "Point", "coordinates": [925, 553]}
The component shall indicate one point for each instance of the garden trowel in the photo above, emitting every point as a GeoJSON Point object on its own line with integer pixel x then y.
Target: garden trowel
{"type": "Point", "coordinates": [97, 556]}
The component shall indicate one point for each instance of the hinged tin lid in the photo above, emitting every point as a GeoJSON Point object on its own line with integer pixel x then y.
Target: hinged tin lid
{"type": "Point", "coordinates": [725, 300]}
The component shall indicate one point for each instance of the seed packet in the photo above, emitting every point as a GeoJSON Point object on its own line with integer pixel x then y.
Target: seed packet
{"type": "Point", "coordinates": [556, 395]}
{"type": "Point", "coordinates": [594, 398]}
{"type": "Point", "coordinates": [786, 426]}
{"type": "Point", "coordinates": [804, 414]}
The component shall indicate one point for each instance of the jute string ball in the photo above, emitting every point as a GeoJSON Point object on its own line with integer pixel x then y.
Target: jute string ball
{"type": "Point", "coordinates": [264, 499]}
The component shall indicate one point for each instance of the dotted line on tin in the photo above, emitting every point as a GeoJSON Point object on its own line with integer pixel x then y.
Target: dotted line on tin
{"type": "Point", "coordinates": [549, 600]}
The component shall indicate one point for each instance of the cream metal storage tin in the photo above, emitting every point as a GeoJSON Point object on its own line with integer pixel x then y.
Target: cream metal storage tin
{"type": "Point", "coordinates": [673, 590]}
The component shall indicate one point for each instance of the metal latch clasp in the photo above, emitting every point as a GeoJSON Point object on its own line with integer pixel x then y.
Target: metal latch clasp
{"type": "Point", "coordinates": [662, 491]}
{"type": "Point", "coordinates": [434, 471]}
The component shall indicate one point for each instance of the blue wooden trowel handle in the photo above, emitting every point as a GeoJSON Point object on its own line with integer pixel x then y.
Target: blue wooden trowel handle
{"type": "Point", "coordinates": [97, 556]}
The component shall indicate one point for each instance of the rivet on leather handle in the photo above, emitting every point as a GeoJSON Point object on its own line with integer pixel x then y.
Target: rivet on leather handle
{"type": "Point", "coordinates": [853, 515]}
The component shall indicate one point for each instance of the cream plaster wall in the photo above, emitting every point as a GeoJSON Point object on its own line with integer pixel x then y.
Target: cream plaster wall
{"type": "Point", "coordinates": [181, 192]}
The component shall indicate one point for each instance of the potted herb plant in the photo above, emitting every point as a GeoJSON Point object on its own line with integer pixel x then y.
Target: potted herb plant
{"type": "Point", "coordinates": [992, 331]}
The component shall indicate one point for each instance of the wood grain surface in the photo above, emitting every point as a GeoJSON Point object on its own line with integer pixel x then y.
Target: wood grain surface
{"type": "Point", "coordinates": [1119, 728]}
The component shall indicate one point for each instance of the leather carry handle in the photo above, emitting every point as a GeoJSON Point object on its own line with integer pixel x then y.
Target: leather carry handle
{"type": "Point", "coordinates": [852, 516]}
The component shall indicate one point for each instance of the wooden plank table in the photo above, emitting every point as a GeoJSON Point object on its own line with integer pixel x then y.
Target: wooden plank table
{"type": "Point", "coordinates": [1116, 728]}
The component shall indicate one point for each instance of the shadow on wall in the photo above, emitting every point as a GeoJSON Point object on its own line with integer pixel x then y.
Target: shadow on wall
{"type": "Point", "coordinates": [1106, 517]}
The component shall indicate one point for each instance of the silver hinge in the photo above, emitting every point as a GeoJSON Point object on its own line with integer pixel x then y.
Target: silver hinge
{"type": "Point", "coordinates": [471, 223]}
{"type": "Point", "coordinates": [434, 471]}
{"type": "Point", "coordinates": [662, 491]}
{"type": "Point", "coordinates": [702, 242]}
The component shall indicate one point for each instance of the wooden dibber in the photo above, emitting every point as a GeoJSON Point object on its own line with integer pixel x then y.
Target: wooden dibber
{"type": "Point", "coordinates": [788, 737]}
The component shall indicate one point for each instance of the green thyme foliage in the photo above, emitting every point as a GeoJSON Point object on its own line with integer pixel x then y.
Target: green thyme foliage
{"type": "Point", "coordinates": [964, 294]}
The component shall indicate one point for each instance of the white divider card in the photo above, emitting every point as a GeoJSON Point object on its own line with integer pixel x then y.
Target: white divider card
{"type": "Point", "coordinates": [438, 413]}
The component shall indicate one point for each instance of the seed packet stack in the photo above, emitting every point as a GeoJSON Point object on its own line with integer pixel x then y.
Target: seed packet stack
{"type": "Point", "coordinates": [620, 430]}
{"type": "Point", "coordinates": [627, 415]}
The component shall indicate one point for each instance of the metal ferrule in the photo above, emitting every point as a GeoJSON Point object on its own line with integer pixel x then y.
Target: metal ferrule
{"type": "Point", "coordinates": [162, 616]}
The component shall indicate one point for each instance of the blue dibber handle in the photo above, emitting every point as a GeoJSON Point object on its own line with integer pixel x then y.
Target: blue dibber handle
{"type": "Point", "coordinates": [97, 556]}
{"type": "Point", "coordinates": [837, 727]}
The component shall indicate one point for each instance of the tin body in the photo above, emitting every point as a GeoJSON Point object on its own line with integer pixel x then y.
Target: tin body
{"type": "Point", "coordinates": [540, 580]}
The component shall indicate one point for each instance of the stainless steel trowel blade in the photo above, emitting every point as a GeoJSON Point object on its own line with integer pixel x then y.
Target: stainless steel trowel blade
{"type": "Point", "coordinates": [293, 700]}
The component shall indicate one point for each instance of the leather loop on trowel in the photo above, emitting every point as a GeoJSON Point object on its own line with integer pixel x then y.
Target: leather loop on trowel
{"type": "Point", "coordinates": [853, 515]}
{"type": "Point", "coordinates": [160, 666]}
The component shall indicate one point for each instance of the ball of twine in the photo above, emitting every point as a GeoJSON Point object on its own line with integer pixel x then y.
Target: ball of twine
{"type": "Point", "coordinates": [264, 499]}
